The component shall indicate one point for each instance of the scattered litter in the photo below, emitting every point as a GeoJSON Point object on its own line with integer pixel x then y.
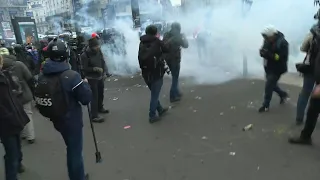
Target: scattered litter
{"type": "Point", "coordinates": [170, 107]}
{"type": "Point", "coordinates": [258, 168]}
{"type": "Point", "coordinates": [137, 85]}
{"type": "Point", "coordinates": [115, 98]}
{"type": "Point", "coordinates": [146, 86]}
{"type": "Point", "coordinates": [101, 142]}
{"type": "Point", "coordinates": [232, 107]}
{"type": "Point", "coordinates": [126, 127]}
{"type": "Point", "coordinates": [115, 80]}
{"type": "Point", "coordinates": [247, 127]}
{"type": "Point", "coordinates": [106, 89]}
{"type": "Point", "coordinates": [194, 111]}
{"type": "Point", "coordinates": [192, 91]}
{"type": "Point", "coordinates": [204, 138]}
{"type": "Point", "coordinates": [127, 89]}
{"type": "Point", "coordinates": [221, 114]}
{"type": "Point", "coordinates": [232, 153]}
{"type": "Point", "coordinates": [132, 77]}
{"type": "Point", "coordinates": [109, 80]}
{"type": "Point", "coordinates": [198, 97]}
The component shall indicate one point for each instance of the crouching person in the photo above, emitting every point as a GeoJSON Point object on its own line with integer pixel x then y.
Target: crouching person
{"type": "Point", "coordinates": [153, 68]}
{"type": "Point", "coordinates": [58, 95]}
{"type": "Point", "coordinates": [12, 121]}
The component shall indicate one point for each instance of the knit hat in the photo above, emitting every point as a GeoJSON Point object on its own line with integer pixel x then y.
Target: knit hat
{"type": "Point", "coordinates": [4, 51]}
{"type": "Point", "coordinates": [93, 42]}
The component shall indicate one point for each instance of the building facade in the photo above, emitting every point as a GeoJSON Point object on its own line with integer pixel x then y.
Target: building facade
{"type": "Point", "coordinates": [8, 10]}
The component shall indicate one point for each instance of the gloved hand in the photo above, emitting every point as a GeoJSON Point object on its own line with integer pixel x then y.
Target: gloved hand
{"type": "Point", "coordinates": [97, 69]}
{"type": "Point", "coordinates": [276, 57]}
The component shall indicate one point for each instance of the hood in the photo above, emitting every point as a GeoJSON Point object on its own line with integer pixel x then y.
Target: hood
{"type": "Point", "coordinates": [8, 60]}
{"type": "Point", "coordinates": [148, 38]}
{"type": "Point", "coordinates": [52, 67]}
{"type": "Point", "coordinates": [315, 30]}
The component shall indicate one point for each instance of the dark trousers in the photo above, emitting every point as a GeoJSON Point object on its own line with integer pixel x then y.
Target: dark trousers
{"type": "Point", "coordinates": [73, 139]}
{"type": "Point", "coordinates": [308, 84]}
{"type": "Point", "coordinates": [97, 88]}
{"type": "Point", "coordinates": [272, 86]}
{"type": "Point", "coordinates": [175, 72]}
{"type": "Point", "coordinates": [13, 156]}
{"type": "Point", "coordinates": [155, 88]}
{"type": "Point", "coordinates": [312, 117]}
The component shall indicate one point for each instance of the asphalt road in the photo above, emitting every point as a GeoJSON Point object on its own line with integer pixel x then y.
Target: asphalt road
{"type": "Point", "coordinates": [201, 138]}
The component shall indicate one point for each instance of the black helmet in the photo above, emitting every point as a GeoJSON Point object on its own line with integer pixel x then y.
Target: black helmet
{"type": "Point", "coordinates": [58, 50]}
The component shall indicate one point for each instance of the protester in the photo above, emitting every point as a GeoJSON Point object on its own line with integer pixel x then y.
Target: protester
{"type": "Point", "coordinates": [314, 102]}
{"type": "Point", "coordinates": [307, 68]}
{"type": "Point", "coordinates": [24, 82]}
{"type": "Point", "coordinates": [275, 53]}
{"type": "Point", "coordinates": [175, 40]}
{"type": "Point", "coordinates": [57, 95]}
{"type": "Point", "coordinates": [22, 55]}
{"type": "Point", "coordinates": [153, 68]}
{"type": "Point", "coordinates": [94, 69]}
{"type": "Point", "coordinates": [12, 121]}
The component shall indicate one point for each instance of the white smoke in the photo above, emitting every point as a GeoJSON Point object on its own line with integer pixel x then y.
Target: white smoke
{"type": "Point", "coordinates": [233, 37]}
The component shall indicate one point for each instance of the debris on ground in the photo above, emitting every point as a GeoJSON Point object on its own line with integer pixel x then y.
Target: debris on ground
{"type": "Point", "coordinates": [232, 153]}
{"type": "Point", "coordinates": [247, 127]}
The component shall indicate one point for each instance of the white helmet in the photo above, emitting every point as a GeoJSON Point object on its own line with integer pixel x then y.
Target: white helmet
{"type": "Point", "coordinates": [269, 31]}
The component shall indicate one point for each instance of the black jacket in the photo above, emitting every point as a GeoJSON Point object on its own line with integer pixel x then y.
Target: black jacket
{"type": "Point", "coordinates": [13, 118]}
{"type": "Point", "coordinates": [89, 60]}
{"type": "Point", "coordinates": [174, 41]}
{"type": "Point", "coordinates": [268, 52]}
{"type": "Point", "coordinates": [158, 71]}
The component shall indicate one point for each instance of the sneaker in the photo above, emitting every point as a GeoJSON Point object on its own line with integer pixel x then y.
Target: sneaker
{"type": "Point", "coordinates": [284, 99]}
{"type": "Point", "coordinates": [98, 120]}
{"type": "Point", "coordinates": [263, 109]}
{"type": "Point", "coordinates": [300, 140]}
{"type": "Point", "coordinates": [103, 111]}
{"type": "Point", "coordinates": [163, 112]}
{"type": "Point", "coordinates": [177, 99]}
{"type": "Point", "coordinates": [21, 169]}
{"type": "Point", "coordinates": [154, 119]}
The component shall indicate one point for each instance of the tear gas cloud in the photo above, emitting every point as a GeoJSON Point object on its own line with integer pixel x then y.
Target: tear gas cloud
{"type": "Point", "coordinates": [233, 37]}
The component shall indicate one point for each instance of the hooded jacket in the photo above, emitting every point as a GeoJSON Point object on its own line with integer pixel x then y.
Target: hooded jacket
{"type": "Point", "coordinates": [91, 59]}
{"type": "Point", "coordinates": [312, 45]}
{"type": "Point", "coordinates": [174, 40]}
{"type": "Point", "coordinates": [23, 74]}
{"type": "Point", "coordinates": [13, 117]}
{"type": "Point", "coordinates": [279, 47]}
{"type": "Point", "coordinates": [76, 90]}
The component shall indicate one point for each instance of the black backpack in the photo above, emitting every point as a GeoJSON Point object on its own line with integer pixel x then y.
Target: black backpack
{"type": "Point", "coordinates": [147, 56]}
{"type": "Point", "coordinates": [51, 99]}
{"type": "Point", "coordinates": [14, 80]}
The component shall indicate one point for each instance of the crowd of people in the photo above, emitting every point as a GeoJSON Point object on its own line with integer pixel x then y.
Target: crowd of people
{"type": "Point", "coordinates": [59, 79]}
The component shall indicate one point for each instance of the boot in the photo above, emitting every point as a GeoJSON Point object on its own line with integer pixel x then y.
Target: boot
{"type": "Point", "coordinates": [98, 120]}
{"type": "Point", "coordinates": [154, 119]}
{"type": "Point", "coordinates": [284, 99]}
{"type": "Point", "coordinates": [300, 140]}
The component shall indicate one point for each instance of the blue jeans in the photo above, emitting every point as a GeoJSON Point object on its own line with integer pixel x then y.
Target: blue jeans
{"type": "Point", "coordinates": [308, 85]}
{"type": "Point", "coordinates": [13, 156]}
{"type": "Point", "coordinates": [73, 139]}
{"type": "Point", "coordinates": [270, 87]}
{"type": "Point", "coordinates": [175, 72]}
{"type": "Point", "coordinates": [155, 88]}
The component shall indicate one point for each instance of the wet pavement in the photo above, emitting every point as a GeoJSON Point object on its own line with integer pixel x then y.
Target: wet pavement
{"type": "Point", "coordinates": [201, 137]}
